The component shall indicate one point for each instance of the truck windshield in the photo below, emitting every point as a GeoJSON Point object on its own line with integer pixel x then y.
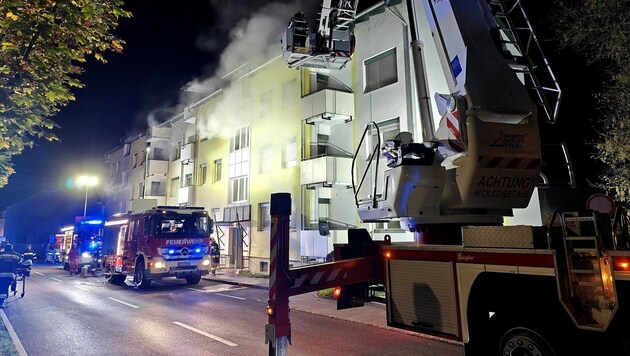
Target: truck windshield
{"type": "Point", "coordinates": [183, 224]}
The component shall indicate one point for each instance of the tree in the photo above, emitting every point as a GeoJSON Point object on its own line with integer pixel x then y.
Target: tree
{"type": "Point", "coordinates": [598, 29]}
{"type": "Point", "coordinates": [43, 45]}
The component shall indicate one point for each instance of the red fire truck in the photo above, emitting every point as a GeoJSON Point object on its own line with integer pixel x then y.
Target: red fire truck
{"type": "Point", "coordinates": [164, 241]}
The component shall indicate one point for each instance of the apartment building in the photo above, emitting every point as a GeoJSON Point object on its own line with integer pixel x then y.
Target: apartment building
{"type": "Point", "coordinates": [275, 129]}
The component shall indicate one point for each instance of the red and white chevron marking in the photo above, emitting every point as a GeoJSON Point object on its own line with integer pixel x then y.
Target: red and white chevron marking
{"type": "Point", "coordinates": [273, 263]}
{"type": "Point", "coordinates": [455, 136]}
{"type": "Point", "coordinates": [342, 54]}
{"type": "Point", "coordinates": [308, 279]}
{"type": "Point", "coordinates": [508, 162]}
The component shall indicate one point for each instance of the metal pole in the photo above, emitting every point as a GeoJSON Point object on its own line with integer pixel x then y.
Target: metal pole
{"type": "Point", "coordinates": [278, 329]}
{"type": "Point", "coordinates": [86, 194]}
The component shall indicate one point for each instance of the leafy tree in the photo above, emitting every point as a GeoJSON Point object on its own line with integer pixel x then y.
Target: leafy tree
{"type": "Point", "coordinates": [599, 30]}
{"type": "Point", "coordinates": [43, 44]}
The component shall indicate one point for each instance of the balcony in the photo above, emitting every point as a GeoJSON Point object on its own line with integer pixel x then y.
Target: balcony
{"type": "Point", "coordinates": [188, 153]}
{"type": "Point", "coordinates": [327, 170]}
{"type": "Point", "coordinates": [157, 167]}
{"type": "Point", "coordinates": [155, 133]}
{"type": "Point", "coordinates": [328, 106]}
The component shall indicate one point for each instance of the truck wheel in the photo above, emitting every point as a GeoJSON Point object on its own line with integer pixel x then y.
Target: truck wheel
{"type": "Point", "coordinates": [116, 278]}
{"type": "Point", "coordinates": [522, 335]}
{"type": "Point", "coordinates": [139, 276]}
{"type": "Point", "coordinates": [193, 279]}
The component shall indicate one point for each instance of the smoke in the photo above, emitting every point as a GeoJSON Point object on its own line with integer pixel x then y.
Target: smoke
{"type": "Point", "coordinates": [254, 30]}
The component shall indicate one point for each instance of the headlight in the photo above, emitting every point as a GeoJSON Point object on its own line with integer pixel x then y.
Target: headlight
{"type": "Point", "coordinates": [160, 264]}
{"type": "Point", "coordinates": [205, 263]}
{"type": "Point", "coordinates": [86, 254]}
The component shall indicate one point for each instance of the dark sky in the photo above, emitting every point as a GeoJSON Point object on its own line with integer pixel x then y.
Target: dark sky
{"type": "Point", "coordinates": [168, 46]}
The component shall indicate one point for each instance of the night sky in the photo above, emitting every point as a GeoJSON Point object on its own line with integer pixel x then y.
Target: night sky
{"type": "Point", "coordinates": [167, 47]}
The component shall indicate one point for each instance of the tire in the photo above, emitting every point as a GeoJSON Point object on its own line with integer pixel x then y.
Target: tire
{"type": "Point", "coordinates": [139, 275]}
{"type": "Point", "coordinates": [117, 279]}
{"type": "Point", "coordinates": [524, 334]}
{"type": "Point", "coordinates": [193, 279]}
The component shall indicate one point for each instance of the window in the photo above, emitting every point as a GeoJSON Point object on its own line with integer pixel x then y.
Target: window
{"type": "Point", "coordinates": [266, 99]}
{"type": "Point", "coordinates": [125, 178]}
{"type": "Point", "coordinates": [265, 159]}
{"type": "Point", "coordinates": [117, 167]}
{"type": "Point", "coordinates": [126, 150]}
{"type": "Point", "coordinates": [158, 154]}
{"type": "Point", "coordinates": [289, 154]}
{"type": "Point", "coordinates": [217, 170]}
{"type": "Point", "coordinates": [289, 93]}
{"type": "Point", "coordinates": [264, 217]}
{"type": "Point", "coordinates": [145, 153]}
{"type": "Point", "coordinates": [156, 189]}
{"type": "Point", "coordinates": [189, 180]}
{"type": "Point", "coordinates": [141, 190]}
{"type": "Point", "coordinates": [380, 70]}
{"type": "Point", "coordinates": [238, 189]}
{"type": "Point", "coordinates": [135, 160]}
{"type": "Point", "coordinates": [174, 187]}
{"type": "Point", "coordinates": [203, 172]}
{"type": "Point", "coordinates": [240, 139]}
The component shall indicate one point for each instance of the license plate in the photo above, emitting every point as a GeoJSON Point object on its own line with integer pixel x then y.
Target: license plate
{"type": "Point", "coordinates": [183, 264]}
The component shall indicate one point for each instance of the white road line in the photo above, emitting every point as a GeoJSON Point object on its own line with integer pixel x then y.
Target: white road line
{"type": "Point", "coordinates": [213, 337]}
{"type": "Point", "coordinates": [195, 289]}
{"type": "Point", "coordinates": [125, 303]}
{"type": "Point", "coordinates": [230, 296]}
{"type": "Point", "coordinates": [14, 337]}
{"type": "Point", "coordinates": [81, 288]}
{"type": "Point", "coordinates": [41, 274]}
{"type": "Point", "coordinates": [58, 280]}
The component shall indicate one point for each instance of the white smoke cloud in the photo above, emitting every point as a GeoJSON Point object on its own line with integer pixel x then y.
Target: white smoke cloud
{"type": "Point", "coordinates": [255, 30]}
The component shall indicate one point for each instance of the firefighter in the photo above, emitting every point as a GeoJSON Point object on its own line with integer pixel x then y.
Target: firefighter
{"type": "Point", "coordinates": [73, 259]}
{"type": "Point", "coordinates": [214, 256]}
{"type": "Point", "coordinates": [29, 254]}
{"type": "Point", "coordinates": [9, 262]}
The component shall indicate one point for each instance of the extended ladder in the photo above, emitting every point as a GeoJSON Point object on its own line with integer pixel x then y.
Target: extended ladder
{"type": "Point", "coordinates": [530, 62]}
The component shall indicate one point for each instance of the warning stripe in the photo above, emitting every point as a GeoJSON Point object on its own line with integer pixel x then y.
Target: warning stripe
{"type": "Point", "coordinates": [508, 162]}
{"type": "Point", "coordinates": [452, 123]}
{"type": "Point", "coordinates": [273, 263]}
{"type": "Point", "coordinates": [308, 279]}
{"type": "Point", "coordinates": [342, 54]}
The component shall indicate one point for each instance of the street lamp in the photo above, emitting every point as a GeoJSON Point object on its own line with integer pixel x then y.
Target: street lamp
{"type": "Point", "coordinates": [87, 181]}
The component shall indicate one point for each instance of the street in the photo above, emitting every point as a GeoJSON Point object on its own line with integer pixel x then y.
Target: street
{"type": "Point", "coordinates": [71, 315]}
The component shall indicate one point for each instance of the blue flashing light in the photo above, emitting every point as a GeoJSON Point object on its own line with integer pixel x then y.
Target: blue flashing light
{"type": "Point", "coordinates": [197, 250]}
{"type": "Point", "coordinates": [92, 222]}
{"type": "Point", "coordinates": [171, 251]}
{"type": "Point", "coordinates": [93, 244]}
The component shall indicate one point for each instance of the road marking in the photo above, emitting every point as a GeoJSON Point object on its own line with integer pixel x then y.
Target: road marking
{"type": "Point", "coordinates": [125, 303]}
{"type": "Point", "coordinates": [230, 296]}
{"type": "Point", "coordinates": [58, 280]}
{"type": "Point", "coordinates": [41, 274]}
{"type": "Point", "coordinates": [14, 337]}
{"type": "Point", "coordinates": [81, 288]}
{"type": "Point", "coordinates": [213, 337]}
{"type": "Point", "coordinates": [195, 289]}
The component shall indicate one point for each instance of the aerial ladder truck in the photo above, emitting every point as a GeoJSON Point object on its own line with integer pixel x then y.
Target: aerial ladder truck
{"type": "Point", "coordinates": [558, 288]}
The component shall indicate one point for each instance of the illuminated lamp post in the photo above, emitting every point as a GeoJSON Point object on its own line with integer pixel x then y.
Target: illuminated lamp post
{"type": "Point", "coordinates": [86, 181]}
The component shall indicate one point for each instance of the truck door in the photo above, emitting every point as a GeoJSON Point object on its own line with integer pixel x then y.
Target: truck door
{"type": "Point", "coordinates": [131, 244]}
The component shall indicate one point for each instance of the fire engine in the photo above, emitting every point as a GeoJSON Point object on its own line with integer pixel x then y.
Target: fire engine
{"type": "Point", "coordinates": [560, 287]}
{"type": "Point", "coordinates": [155, 243]}
{"type": "Point", "coordinates": [86, 233]}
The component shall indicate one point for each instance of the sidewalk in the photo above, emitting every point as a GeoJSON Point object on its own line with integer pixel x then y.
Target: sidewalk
{"type": "Point", "coordinates": [372, 314]}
